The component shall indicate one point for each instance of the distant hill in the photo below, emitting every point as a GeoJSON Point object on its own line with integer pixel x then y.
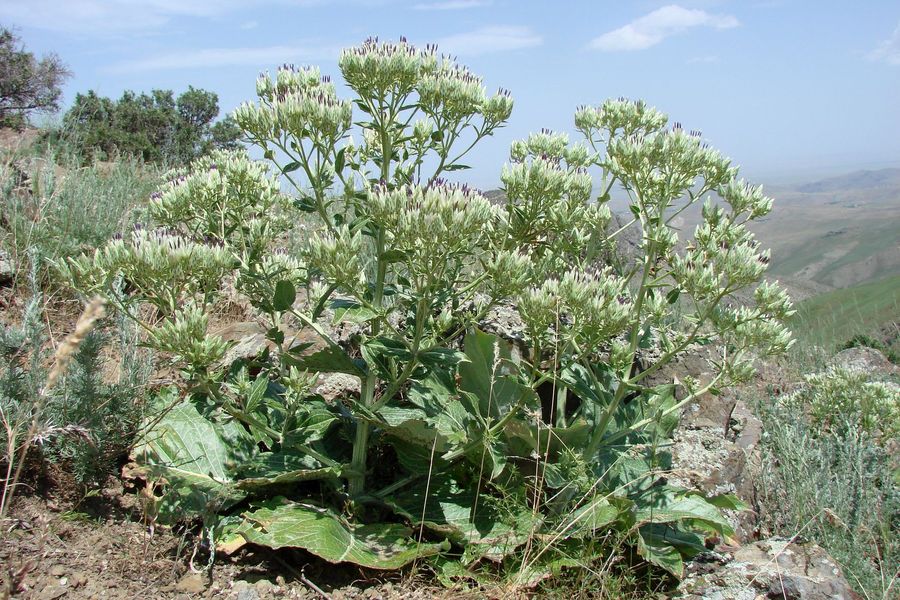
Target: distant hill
{"type": "Point", "coordinates": [834, 233]}
{"type": "Point", "coordinates": [858, 180]}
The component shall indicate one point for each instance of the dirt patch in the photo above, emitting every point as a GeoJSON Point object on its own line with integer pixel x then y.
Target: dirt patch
{"type": "Point", "coordinates": [101, 549]}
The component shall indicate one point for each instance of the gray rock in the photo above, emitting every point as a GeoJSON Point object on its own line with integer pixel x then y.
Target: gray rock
{"type": "Point", "coordinates": [7, 270]}
{"type": "Point", "coordinates": [864, 359]}
{"type": "Point", "coordinates": [338, 385]}
{"type": "Point", "coordinates": [775, 569]}
{"type": "Point", "coordinates": [715, 451]}
{"type": "Point", "coordinates": [243, 590]}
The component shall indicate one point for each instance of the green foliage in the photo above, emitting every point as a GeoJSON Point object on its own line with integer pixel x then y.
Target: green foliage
{"type": "Point", "coordinates": [830, 475]}
{"type": "Point", "coordinates": [27, 85]}
{"type": "Point", "coordinates": [862, 340]}
{"type": "Point", "coordinates": [469, 452]}
{"type": "Point", "coordinates": [155, 127]}
{"type": "Point", "coordinates": [53, 204]}
{"type": "Point", "coordinates": [834, 318]}
{"type": "Point", "coordinates": [85, 423]}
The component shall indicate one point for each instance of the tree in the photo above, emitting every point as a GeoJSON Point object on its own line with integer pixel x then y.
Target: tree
{"type": "Point", "coordinates": [158, 127]}
{"type": "Point", "coordinates": [27, 84]}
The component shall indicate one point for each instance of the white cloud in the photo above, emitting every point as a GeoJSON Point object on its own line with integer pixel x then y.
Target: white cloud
{"type": "Point", "coordinates": [704, 60]}
{"type": "Point", "coordinates": [498, 38]}
{"type": "Point", "coordinates": [206, 58]}
{"type": "Point", "coordinates": [888, 50]}
{"type": "Point", "coordinates": [451, 5]}
{"type": "Point", "coordinates": [653, 28]}
{"type": "Point", "coordinates": [97, 17]}
{"type": "Point", "coordinates": [250, 25]}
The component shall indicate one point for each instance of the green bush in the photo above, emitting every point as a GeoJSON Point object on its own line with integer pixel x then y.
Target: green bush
{"type": "Point", "coordinates": [830, 476]}
{"type": "Point", "coordinates": [53, 204]}
{"type": "Point", "coordinates": [449, 436]}
{"type": "Point", "coordinates": [155, 127]}
{"type": "Point", "coordinates": [867, 341]}
{"type": "Point", "coordinates": [82, 423]}
{"type": "Point", "coordinates": [27, 85]}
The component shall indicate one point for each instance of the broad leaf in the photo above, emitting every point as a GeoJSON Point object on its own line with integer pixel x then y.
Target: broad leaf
{"type": "Point", "coordinates": [278, 523]}
{"type": "Point", "coordinates": [330, 359]}
{"type": "Point", "coordinates": [285, 294]}
{"type": "Point", "coordinates": [661, 554]}
{"type": "Point", "coordinates": [595, 514]}
{"type": "Point", "coordinates": [191, 455]}
{"type": "Point", "coordinates": [488, 377]}
{"type": "Point", "coordinates": [447, 509]}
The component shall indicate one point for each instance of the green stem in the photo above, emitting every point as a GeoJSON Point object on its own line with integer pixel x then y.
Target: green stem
{"type": "Point", "coordinates": [624, 384]}
{"type": "Point", "coordinates": [357, 479]}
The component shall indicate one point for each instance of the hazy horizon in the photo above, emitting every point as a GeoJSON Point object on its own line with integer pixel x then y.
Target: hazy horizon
{"type": "Point", "coordinates": [792, 91]}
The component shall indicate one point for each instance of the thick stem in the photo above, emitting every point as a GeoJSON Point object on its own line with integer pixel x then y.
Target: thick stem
{"type": "Point", "coordinates": [357, 479]}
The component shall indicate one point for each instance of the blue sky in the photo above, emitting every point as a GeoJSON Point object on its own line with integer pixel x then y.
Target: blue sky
{"type": "Point", "coordinates": [788, 89]}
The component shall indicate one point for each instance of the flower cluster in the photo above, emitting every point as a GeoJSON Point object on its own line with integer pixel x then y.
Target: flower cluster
{"type": "Point", "coordinates": [298, 104]}
{"type": "Point", "coordinates": [219, 197]}
{"type": "Point", "coordinates": [548, 210]}
{"type": "Point", "coordinates": [376, 68]}
{"type": "Point", "coordinates": [433, 226]}
{"type": "Point", "coordinates": [337, 256]}
{"type": "Point", "coordinates": [164, 266]}
{"type": "Point", "coordinates": [588, 307]}
{"type": "Point", "coordinates": [184, 336]}
{"type": "Point", "coordinates": [620, 117]}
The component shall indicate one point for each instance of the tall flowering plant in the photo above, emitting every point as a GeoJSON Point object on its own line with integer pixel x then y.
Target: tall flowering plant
{"type": "Point", "coordinates": [451, 433]}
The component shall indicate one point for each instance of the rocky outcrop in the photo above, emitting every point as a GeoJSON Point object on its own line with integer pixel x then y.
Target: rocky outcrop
{"type": "Point", "coordinates": [7, 269]}
{"type": "Point", "coordinates": [773, 569]}
{"type": "Point", "coordinates": [715, 451]}
{"type": "Point", "coordinates": [868, 360]}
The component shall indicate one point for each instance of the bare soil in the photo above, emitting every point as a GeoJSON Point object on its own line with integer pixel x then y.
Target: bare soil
{"type": "Point", "coordinates": [53, 547]}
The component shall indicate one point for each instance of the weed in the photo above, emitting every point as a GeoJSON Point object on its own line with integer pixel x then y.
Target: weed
{"type": "Point", "coordinates": [830, 474]}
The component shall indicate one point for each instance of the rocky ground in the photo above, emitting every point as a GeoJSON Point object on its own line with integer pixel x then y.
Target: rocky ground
{"type": "Point", "coordinates": [100, 548]}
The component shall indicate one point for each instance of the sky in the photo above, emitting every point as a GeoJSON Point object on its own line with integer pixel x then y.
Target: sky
{"type": "Point", "coordinates": [791, 90]}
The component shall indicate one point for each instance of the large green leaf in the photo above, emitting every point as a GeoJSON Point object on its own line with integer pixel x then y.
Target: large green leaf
{"type": "Point", "coordinates": [661, 554]}
{"type": "Point", "coordinates": [446, 508]}
{"type": "Point", "coordinates": [663, 504]}
{"type": "Point", "coordinates": [278, 523]}
{"type": "Point", "coordinates": [331, 359]}
{"type": "Point", "coordinates": [594, 514]}
{"type": "Point", "coordinates": [489, 377]}
{"type": "Point", "coordinates": [270, 469]}
{"type": "Point", "coordinates": [191, 454]}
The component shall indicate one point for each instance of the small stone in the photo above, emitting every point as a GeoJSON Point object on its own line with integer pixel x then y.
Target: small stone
{"type": "Point", "coordinates": [784, 588]}
{"type": "Point", "coordinates": [243, 590]}
{"type": "Point", "coordinates": [7, 271]}
{"type": "Point", "coordinates": [77, 580]}
{"type": "Point", "coordinates": [57, 571]}
{"type": "Point", "coordinates": [192, 583]}
{"type": "Point", "coordinates": [52, 592]}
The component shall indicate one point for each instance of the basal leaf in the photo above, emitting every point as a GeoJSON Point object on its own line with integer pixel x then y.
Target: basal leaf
{"type": "Point", "coordinates": [191, 455]}
{"type": "Point", "coordinates": [278, 523]}
{"type": "Point", "coordinates": [661, 554]}
{"type": "Point", "coordinates": [662, 504]}
{"type": "Point", "coordinates": [447, 509]}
